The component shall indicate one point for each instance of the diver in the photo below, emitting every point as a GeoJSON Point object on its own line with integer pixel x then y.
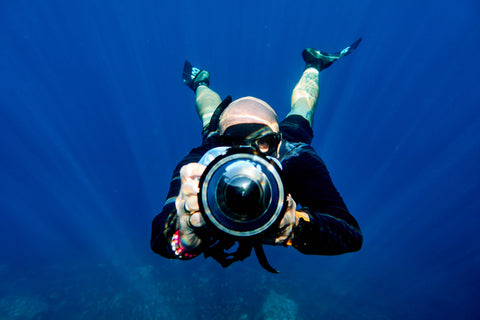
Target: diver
{"type": "Point", "coordinates": [316, 219]}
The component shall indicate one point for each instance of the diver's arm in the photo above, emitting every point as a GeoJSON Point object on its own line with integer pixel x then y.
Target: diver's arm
{"type": "Point", "coordinates": [321, 233]}
{"type": "Point", "coordinates": [325, 225]}
{"type": "Point", "coordinates": [164, 225]}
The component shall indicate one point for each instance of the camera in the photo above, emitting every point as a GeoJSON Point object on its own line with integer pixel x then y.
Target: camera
{"type": "Point", "coordinates": [241, 191]}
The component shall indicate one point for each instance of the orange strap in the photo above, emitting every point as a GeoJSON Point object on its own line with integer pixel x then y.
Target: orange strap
{"type": "Point", "coordinates": [300, 214]}
{"type": "Point", "coordinates": [303, 215]}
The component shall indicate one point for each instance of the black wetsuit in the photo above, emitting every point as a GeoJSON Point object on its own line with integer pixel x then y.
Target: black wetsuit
{"type": "Point", "coordinates": [331, 230]}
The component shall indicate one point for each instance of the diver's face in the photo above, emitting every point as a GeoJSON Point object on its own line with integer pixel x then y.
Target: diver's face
{"type": "Point", "coordinates": [260, 137]}
{"type": "Point", "coordinates": [266, 143]}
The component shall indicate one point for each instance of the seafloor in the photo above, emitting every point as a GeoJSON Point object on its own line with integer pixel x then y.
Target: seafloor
{"type": "Point", "coordinates": [109, 291]}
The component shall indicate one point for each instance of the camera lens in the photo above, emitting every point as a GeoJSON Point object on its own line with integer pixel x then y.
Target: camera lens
{"type": "Point", "coordinates": [241, 192]}
{"type": "Point", "coordinates": [243, 198]}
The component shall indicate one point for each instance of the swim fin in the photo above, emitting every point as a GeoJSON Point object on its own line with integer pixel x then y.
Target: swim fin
{"type": "Point", "coordinates": [194, 77]}
{"type": "Point", "coordinates": [322, 60]}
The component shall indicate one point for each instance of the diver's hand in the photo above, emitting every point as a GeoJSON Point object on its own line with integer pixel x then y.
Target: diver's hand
{"type": "Point", "coordinates": [188, 213]}
{"type": "Point", "coordinates": [281, 233]}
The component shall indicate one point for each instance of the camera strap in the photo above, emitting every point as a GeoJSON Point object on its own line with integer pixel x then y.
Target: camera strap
{"type": "Point", "coordinates": [262, 258]}
{"type": "Point", "coordinates": [219, 251]}
{"type": "Point", "coordinates": [220, 254]}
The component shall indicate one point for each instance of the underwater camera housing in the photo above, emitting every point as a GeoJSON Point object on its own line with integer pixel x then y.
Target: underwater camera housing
{"type": "Point", "coordinates": [241, 191]}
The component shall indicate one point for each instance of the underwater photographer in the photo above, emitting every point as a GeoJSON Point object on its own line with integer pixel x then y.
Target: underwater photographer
{"type": "Point", "coordinates": [254, 180]}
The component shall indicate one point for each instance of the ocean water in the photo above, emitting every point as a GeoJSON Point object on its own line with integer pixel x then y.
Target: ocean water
{"type": "Point", "coordinates": [94, 117]}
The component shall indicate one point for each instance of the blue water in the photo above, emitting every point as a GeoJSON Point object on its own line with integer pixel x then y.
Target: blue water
{"type": "Point", "coordinates": [94, 117]}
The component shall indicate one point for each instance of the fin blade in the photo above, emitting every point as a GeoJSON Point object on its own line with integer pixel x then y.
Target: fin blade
{"type": "Point", "coordinates": [187, 72]}
{"type": "Point", "coordinates": [350, 48]}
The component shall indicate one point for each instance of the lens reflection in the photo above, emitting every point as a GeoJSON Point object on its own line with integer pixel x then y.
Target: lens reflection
{"type": "Point", "coordinates": [243, 198]}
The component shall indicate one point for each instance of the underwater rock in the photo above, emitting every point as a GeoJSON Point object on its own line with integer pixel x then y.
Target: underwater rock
{"type": "Point", "coordinates": [279, 307]}
{"type": "Point", "coordinates": [17, 307]}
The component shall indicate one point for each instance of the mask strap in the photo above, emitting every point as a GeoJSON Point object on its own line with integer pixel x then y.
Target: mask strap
{"type": "Point", "coordinates": [213, 125]}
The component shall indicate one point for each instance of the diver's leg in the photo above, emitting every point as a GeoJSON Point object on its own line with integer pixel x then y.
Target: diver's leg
{"type": "Point", "coordinates": [206, 101]}
{"type": "Point", "coordinates": [305, 95]}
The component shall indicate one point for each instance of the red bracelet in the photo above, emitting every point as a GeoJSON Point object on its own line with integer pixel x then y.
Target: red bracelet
{"type": "Point", "coordinates": [178, 249]}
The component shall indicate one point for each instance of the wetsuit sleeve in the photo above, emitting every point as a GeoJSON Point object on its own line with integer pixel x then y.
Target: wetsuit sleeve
{"type": "Point", "coordinates": [164, 224]}
{"type": "Point", "coordinates": [331, 229]}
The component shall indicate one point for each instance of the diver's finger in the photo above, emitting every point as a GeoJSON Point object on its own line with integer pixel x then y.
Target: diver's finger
{"type": "Point", "coordinates": [290, 202]}
{"type": "Point", "coordinates": [191, 203]}
{"type": "Point", "coordinates": [189, 188]}
{"type": "Point", "coordinates": [196, 220]}
{"type": "Point", "coordinates": [191, 171]}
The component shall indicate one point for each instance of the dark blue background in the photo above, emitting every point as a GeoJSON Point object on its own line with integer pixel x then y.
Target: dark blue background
{"type": "Point", "coordinates": [94, 117]}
